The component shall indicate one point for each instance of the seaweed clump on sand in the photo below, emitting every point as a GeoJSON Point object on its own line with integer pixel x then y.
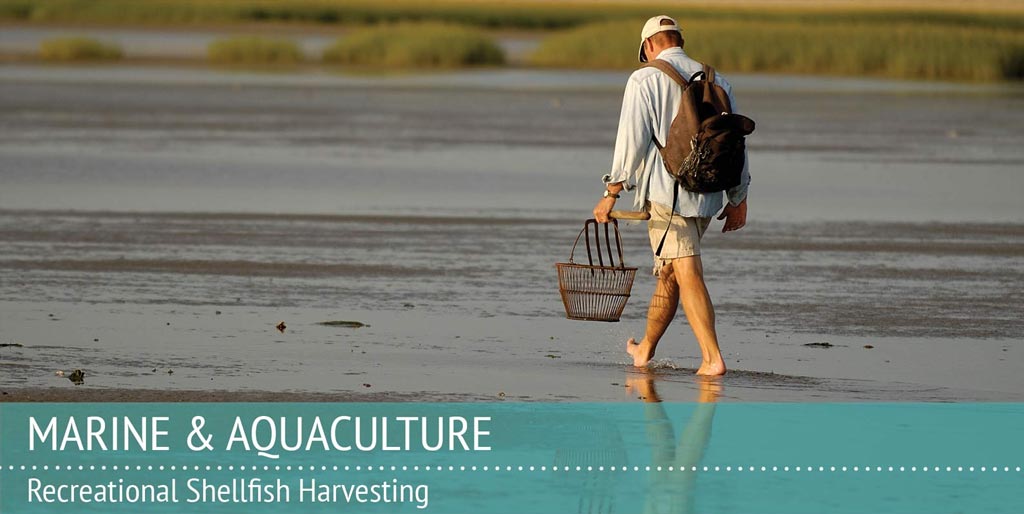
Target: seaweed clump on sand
{"type": "Point", "coordinates": [342, 323]}
{"type": "Point", "coordinates": [77, 377]}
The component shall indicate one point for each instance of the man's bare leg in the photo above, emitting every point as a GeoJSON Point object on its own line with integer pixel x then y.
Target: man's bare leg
{"type": "Point", "coordinates": [689, 274]}
{"type": "Point", "coordinates": [659, 315]}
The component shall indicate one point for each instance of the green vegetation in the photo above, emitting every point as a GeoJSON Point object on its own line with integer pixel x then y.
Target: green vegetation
{"type": "Point", "coordinates": [916, 51]}
{"type": "Point", "coordinates": [254, 51]}
{"type": "Point", "coordinates": [423, 45]}
{"type": "Point", "coordinates": [899, 41]}
{"type": "Point", "coordinates": [531, 15]}
{"type": "Point", "coordinates": [78, 49]}
{"type": "Point", "coordinates": [525, 14]}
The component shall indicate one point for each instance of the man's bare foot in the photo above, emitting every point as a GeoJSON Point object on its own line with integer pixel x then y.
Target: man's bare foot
{"type": "Point", "coordinates": [712, 368]}
{"type": "Point", "coordinates": [641, 352]}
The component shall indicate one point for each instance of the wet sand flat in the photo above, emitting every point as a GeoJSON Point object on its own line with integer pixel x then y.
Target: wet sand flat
{"type": "Point", "coordinates": [154, 231]}
{"type": "Point", "coordinates": [190, 302]}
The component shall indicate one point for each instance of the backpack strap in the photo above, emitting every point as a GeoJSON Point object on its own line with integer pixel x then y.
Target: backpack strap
{"type": "Point", "coordinates": [675, 200]}
{"type": "Point", "coordinates": [667, 69]}
{"type": "Point", "coordinates": [674, 74]}
{"type": "Point", "coordinates": [709, 74]}
{"type": "Point", "coordinates": [718, 92]}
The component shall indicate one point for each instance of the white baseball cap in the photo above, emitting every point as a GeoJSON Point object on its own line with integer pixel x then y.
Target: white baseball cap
{"type": "Point", "coordinates": [654, 26]}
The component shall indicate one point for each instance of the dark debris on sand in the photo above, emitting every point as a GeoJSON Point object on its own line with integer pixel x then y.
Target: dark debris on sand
{"type": "Point", "coordinates": [342, 323]}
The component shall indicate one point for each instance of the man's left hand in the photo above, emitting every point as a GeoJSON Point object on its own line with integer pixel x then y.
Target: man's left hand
{"type": "Point", "coordinates": [735, 216]}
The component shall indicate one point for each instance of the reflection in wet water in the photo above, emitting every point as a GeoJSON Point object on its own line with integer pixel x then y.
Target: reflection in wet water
{"type": "Point", "coordinates": [676, 492]}
{"type": "Point", "coordinates": [675, 452]}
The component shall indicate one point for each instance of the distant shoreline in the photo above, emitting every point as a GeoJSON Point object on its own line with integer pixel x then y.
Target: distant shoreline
{"type": "Point", "coordinates": [980, 43]}
{"type": "Point", "coordinates": [939, 46]}
{"type": "Point", "coordinates": [492, 14]}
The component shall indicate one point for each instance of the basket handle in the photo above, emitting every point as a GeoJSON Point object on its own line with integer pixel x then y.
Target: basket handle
{"type": "Point", "coordinates": [585, 230]}
{"type": "Point", "coordinates": [597, 240]}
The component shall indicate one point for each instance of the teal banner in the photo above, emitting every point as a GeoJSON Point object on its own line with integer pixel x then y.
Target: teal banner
{"type": "Point", "coordinates": [511, 458]}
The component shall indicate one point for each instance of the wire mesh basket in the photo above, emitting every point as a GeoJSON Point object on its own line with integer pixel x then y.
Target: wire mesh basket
{"type": "Point", "coordinates": [595, 292]}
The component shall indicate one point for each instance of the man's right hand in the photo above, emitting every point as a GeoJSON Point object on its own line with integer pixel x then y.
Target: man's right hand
{"type": "Point", "coordinates": [606, 204]}
{"type": "Point", "coordinates": [603, 208]}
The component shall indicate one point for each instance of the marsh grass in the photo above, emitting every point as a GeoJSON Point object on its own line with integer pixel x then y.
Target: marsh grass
{"type": "Point", "coordinates": [523, 14]}
{"type": "Point", "coordinates": [906, 51]}
{"type": "Point", "coordinates": [254, 51]}
{"type": "Point", "coordinates": [75, 48]}
{"type": "Point", "coordinates": [415, 45]}
{"type": "Point", "coordinates": [980, 44]}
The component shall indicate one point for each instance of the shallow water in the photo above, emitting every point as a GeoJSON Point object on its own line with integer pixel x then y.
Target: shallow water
{"type": "Point", "coordinates": [191, 43]}
{"type": "Point", "coordinates": [138, 203]}
{"type": "Point", "coordinates": [501, 142]}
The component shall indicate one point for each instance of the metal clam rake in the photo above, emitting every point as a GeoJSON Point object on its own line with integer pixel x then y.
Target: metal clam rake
{"type": "Point", "coordinates": [597, 292]}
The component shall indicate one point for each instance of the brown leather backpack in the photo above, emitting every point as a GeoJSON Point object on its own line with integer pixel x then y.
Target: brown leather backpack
{"type": "Point", "coordinates": [706, 142]}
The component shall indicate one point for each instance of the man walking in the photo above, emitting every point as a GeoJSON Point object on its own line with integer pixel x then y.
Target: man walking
{"type": "Point", "coordinates": [649, 105]}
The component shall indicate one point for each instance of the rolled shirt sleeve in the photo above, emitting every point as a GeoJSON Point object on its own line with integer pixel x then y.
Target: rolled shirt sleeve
{"type": "Point", "coordinates": [634, 136]}
{"type": "Point", "coordinates": [737, 194]}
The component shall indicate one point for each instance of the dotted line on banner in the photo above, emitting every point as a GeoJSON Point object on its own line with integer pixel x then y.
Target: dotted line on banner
{"type": "Point", "coordinates": [729, 469]}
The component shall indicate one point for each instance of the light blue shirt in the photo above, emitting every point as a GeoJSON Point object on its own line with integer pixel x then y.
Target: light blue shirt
{"type": "Point", "coordinates": [649, 105]}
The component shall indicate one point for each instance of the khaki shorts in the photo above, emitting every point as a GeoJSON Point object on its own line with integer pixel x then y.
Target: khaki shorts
{"type": "Point", "coordinates": [684, 234]}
